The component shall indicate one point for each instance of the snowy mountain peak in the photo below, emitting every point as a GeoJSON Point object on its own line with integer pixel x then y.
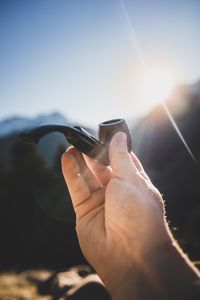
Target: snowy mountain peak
{"type": "Point", "coordinates": [17, 124]}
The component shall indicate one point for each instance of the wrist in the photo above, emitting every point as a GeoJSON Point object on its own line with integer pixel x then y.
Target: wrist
{"type": "Point", "coordinates": [129, 277]}
{"type": "Point", "coordinates": [125, 275]}
{"type": "Point", "coordinates": [127, 283]}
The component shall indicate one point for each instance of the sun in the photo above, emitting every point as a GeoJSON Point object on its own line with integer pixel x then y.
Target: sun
{"type": "Point", "coordinates": [155, 86]}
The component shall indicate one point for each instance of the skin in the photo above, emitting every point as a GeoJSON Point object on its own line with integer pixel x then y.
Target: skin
{"type": "Point", "coordinates": [121, 227]}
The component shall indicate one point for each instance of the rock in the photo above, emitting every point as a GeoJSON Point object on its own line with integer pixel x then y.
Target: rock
{"type": "Point", "coordinates": [79, 282]}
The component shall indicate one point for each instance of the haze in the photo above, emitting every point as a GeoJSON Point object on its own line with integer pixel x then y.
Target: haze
{"type": "Point", "coordinates": [86, 59]}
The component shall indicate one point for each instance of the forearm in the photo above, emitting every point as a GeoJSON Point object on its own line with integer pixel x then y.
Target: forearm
{"type": "Point", "coordinates": [165, 273]}
{"type": "Point", "coordinates": [172, 274]}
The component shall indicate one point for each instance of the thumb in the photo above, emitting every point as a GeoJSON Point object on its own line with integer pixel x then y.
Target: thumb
{"type": "Point", "coordinates": [120, 160]}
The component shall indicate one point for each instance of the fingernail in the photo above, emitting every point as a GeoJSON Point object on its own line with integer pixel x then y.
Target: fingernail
{"type": "Point", "coordinates": [120, 140]}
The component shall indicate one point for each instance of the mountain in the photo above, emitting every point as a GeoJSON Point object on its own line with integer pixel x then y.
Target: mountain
{"type": "Point", "coordinates": [167, 142]}
{"type": "Point", "coordinates": [173, 122]}
{"type": "Point", "coordinates": [11, 128]}
{"type": "Point", "coordinates": [17, 124]}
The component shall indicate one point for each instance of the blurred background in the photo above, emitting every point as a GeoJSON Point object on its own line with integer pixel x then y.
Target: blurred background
{"type": "Point", "coordinates": [80, 63]}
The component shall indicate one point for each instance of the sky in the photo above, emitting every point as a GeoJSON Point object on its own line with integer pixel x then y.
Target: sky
{"type": "Point", "coordinates": [86, 59]}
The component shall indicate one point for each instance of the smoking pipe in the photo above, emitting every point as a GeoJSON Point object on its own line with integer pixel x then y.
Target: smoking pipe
{"type": "Point", "coordinates": [83, 140]}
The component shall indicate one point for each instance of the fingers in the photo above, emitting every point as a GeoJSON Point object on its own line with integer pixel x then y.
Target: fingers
{"type": "Point", "coordinates": [85, 172]}
{"type": "Point", "coordinates": [138, 165]}
{"type": "Point", "coordinates": [79, 179]}
{"type": "Point", "coordinates": [120, 160]}
{"type": "Point", "coordinates": [101, 172]}
{"type": "Point", "coordinates": [124, 164]}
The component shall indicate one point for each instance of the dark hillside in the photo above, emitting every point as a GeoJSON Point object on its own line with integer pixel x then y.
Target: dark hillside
{"type": "Point", "coordinates": [169, 164]}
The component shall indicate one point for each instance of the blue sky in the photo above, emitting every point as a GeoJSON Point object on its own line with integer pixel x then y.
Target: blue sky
{"type": "Point", "coordinates": [84, 58]}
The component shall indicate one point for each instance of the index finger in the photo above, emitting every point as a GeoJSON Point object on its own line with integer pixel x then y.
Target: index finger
{"type": "Point", "coordinates": [101, 172]}
{"type": "Point", "coordinates": [79, 179]}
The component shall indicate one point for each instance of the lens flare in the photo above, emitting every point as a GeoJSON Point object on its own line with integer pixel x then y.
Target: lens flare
{"type": "Point", "coordinates": [157, 84]}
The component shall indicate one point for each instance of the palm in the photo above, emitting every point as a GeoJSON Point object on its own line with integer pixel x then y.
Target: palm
{"type": "Point", "coordinates": [109, 206]}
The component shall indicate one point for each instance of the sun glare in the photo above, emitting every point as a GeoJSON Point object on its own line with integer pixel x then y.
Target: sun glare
{"type": "Point", "coordinates": [155, 86]}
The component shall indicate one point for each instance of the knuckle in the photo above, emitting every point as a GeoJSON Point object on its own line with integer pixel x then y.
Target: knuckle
{"type": "Point", "coordinates": [121, 155]}
{"type": "Point", "coordinates": [114, 182]}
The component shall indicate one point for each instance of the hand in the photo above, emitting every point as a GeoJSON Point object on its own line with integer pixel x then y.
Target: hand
{"type": "Point", "coordinates": [119, 213]}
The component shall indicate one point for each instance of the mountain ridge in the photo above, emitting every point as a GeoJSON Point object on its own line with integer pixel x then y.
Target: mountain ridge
{"type": "Point", "coordinates": [16, 124]}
